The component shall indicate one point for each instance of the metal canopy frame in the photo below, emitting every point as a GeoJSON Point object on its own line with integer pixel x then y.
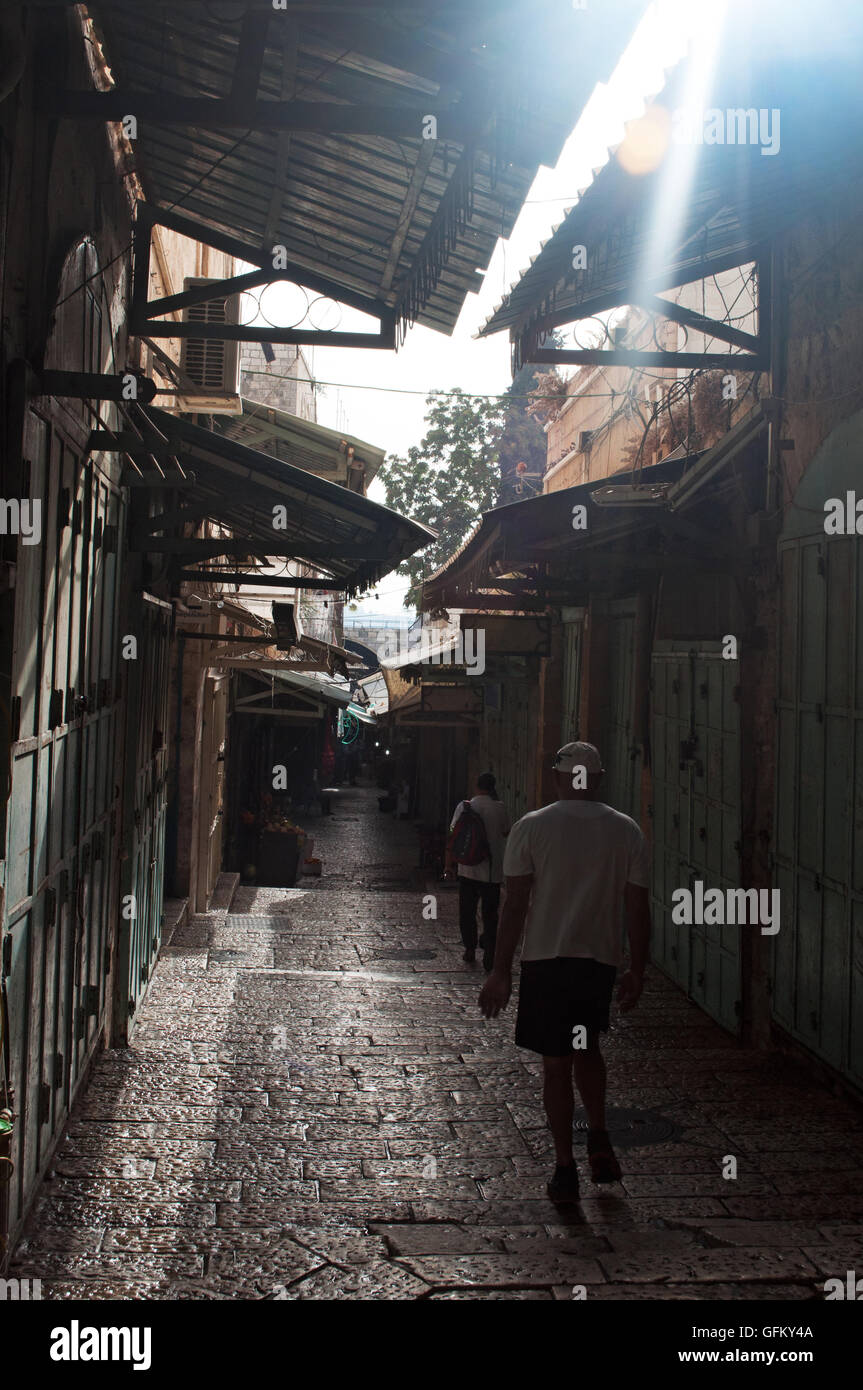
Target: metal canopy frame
{"type": "Point", "coordinates": [754, 354]}
{"type": "Point", "coordinates": [145, 315]}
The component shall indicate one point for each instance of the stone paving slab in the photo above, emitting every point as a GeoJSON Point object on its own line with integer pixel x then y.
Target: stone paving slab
{"type": "Point", "coordinates": [299, 1118]}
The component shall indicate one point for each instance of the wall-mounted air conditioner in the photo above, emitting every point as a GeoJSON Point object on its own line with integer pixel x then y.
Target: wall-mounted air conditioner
{"type": "Point", "coordinates": [211, 363]}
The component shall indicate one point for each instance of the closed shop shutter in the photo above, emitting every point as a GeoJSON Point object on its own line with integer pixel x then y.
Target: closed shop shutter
{"type": "Point", "coordinates": [695, 744]}
{"type": "Point", "coordinates": [573, 635]}
{"type": "Point", "coordinates": [622, 757]}
{"type": "Point", "coordinates": [817, 988]}
{"type": "Point", "coordinates": [61, 827]}
{"type": "Point", "coordinates": [146, 795]}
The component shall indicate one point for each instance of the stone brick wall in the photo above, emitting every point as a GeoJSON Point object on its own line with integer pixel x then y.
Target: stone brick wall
{"type": "Point", "coordinates": [283, 383]}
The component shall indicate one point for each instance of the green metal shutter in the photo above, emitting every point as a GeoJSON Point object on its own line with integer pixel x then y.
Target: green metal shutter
{"type": "Point", "coordinates": [622, 758]}
{"type": "Point", "coordinates": [146, 797]}
{"type": "Point", "coordinates": [695, 743]}
{"type": "Point", "coordinates": [573, 635]}
{"type": "Point", "coordinates": [817, 992]}
{"type": "Point", "coordinates": [62, 884]}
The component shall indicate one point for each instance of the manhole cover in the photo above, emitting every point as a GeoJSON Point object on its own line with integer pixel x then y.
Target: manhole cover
{"type": "Point", "coordinates": [633, 1129]}
{"type": "Point", "coordinates": [406, 954]}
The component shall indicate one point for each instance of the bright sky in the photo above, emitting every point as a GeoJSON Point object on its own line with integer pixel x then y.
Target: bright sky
{"type": "Point", "coordinates": [393, 418]}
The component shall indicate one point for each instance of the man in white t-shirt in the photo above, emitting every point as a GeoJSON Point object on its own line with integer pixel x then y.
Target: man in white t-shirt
{"type": "Point", "coordinates": [479, 884]}
{"type": "Point", "coordinates": [573, 871]}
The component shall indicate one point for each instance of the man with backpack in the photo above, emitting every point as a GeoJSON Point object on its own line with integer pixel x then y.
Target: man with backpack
{"type": "Point", "coordinates": [478, 830]}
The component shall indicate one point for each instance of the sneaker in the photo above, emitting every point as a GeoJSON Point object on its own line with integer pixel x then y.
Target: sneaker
{"type": "Point", "coordinates": [563, 1187]}
{"type": "Point", "coordinates": [470, 957]}
{"type": "Point", "coordinates": [604, 1166]}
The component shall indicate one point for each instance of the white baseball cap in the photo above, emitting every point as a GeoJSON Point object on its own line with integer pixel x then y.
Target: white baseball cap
{"type": "Point", "coordinates": [573, 755]}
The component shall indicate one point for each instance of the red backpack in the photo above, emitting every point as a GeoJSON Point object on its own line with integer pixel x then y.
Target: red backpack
{"type": "Point", "coordinates": [468, 842]}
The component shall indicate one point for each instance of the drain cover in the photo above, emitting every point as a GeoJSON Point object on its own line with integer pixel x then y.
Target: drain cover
{"type": "Point", "coordinates": [633, 1129]}
{"type": "Point", "coordinates": [406, 954]}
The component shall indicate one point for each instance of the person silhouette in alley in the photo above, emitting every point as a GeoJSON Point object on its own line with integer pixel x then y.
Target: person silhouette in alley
{"type": "Point", "coordinates": [481, 874]}
{"type": "Point", "coordinates": [574, 870]}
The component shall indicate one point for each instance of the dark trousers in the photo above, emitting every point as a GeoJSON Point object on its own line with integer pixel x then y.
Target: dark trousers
{"type": "Point", "coordinates": [472, 893]}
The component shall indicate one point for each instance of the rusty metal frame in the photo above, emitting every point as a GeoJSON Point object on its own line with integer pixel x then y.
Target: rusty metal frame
{"type": "Point", "coordinates": [144, 317]}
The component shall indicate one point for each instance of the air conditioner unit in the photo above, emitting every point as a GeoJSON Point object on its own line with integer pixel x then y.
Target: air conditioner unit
{"type": "Point", "coordinates": [211, 363]}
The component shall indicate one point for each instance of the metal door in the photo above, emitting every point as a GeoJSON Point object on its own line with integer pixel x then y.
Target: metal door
{"type": "Point", "coordinates": [622, 757]}
{"type": "Point", "coordinates": [145, 806]}
{"type": "Point", "coordinates": [817, 986]}
{"type": "Point", "coordinates": [60, 842]}
{"type": "Point", "coordinates": [573, 633]}
{"type": "Point", "coordinates": [695, 747]}
{"type": "Point", "coordinates": [508, 746]}
{"type": "Point", "coordinates": [211, 790]}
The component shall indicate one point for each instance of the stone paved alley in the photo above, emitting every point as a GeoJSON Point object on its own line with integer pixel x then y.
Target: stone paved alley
{"type": "Point", "coordinates": [314, 1108]}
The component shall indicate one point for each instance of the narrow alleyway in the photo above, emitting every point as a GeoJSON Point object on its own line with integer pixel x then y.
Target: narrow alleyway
{"type": "Point", "coordinates": [314, 1108]}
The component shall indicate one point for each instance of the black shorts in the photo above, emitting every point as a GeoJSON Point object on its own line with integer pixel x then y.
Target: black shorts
{"type": "Point", "coordinates": [557, 996]}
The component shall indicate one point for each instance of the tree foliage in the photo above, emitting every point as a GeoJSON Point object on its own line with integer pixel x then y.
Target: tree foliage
{"type": "Point", "coordinates": [448, 479]}
{"type": "Point", "coordinates": [465, 463]}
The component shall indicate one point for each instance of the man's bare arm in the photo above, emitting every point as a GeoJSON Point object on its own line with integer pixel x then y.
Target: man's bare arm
{"type": "Point", "coordinates": [637, 905]}
{"type": "Point", "coordinates": [495, 993]}
{"type": "Point", "coordinates": [512, 919]}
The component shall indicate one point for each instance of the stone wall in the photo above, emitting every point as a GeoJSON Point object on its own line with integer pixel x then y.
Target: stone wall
{"type": "Point", "coordinates": [284, 383]}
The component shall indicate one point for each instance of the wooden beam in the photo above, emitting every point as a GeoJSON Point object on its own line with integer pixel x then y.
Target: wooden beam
{"type": "Point", "coordinates": [260, 548]}
{"type": "Point", "coordinates": [250, 59]}
{"type": "Point", "coordinates": [235, 284]}
{"type": "Point", "coordinates": [630, 357]}
{"type": "Point", "coordinates": [239, 333]}
{"type": "Point", "coordinates": [283, 139]}
{"type": "Point", "coordinates": [265, 581]}
{"type": "Point", "coordinates": [147, 215]}
{"type": "Point", "coordinates": [408, 208]}
{"type": "Point", "coordinates": [216, 113]}
{"type": "Point", "coordinates": [711, 328]}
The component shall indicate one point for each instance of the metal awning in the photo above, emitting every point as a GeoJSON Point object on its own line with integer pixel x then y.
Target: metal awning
{"type": "Point", "coordinates": [311, 128]}
{"type": "Point", "coordinates": [725, 201]}
{"type": "Point", "coordinates": [350, 541]}
{"type": "Point", "coordinates": [520, 539]}
{"type": "Point", "coordinates": [303, 443]}
{"type": "Point", "coordinates": [501, 569]}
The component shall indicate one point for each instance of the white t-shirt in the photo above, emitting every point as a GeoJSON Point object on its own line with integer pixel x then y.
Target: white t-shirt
{"type": "Point", "coordinates": [496, 821]}
{"type": "Point", "coordinates": [581, 855]}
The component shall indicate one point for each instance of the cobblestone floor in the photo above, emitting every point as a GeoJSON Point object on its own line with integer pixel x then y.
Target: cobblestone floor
{"type": "Point", "coordinates": [314, 1108]}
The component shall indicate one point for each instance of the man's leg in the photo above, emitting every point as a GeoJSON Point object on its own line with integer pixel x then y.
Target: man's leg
{"type": "Point", "coordinates": [490, 893]}
{"type": "Point", "coordinates": [468, 894]}
{"type": "Point", "coordinates": [559, 1105]}
{"type": "Point", "coordinates": [589, 1067]}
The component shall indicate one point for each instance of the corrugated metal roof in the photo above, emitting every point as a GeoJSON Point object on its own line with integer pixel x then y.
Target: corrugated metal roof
{"type": "Point", "coordinates": [328, 526]}
{"type": "Point", "coordinates": [387, 218]}
{"type": "Point", "coordinates": [518, 529]}
{"type": "Point", "coordinates": [731, 201]}
{"type": "Point", "coordinates": [302, 443]}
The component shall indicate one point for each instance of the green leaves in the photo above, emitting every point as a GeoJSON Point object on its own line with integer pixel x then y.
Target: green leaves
{"type": "Point", "coordinates": [449, 479]}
